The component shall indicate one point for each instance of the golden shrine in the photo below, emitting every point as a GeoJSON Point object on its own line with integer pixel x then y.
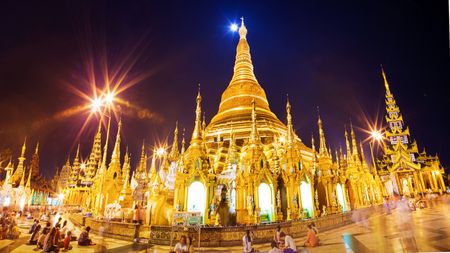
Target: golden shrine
{"type": "Point", "coordinates": [403, 169]}
{"type": "Point", "coordinates": [245, 167]}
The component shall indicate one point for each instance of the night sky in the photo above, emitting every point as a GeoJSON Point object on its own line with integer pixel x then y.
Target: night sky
{"type": "Point", "coordinates": [325, 54]}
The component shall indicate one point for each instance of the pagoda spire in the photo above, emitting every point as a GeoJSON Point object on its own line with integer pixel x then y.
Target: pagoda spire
{"type": "Point", "coordinates": [174, 152]}
{"type": "Point", "coordinates": [396, 130]}
{"type": "Point", "coordinates": [254, 136]}
{"type": "Point", "coordinates": [22, 179]}
{"type": "Point", "coordinates": [95, 157]}
{"type": "Point", "coordinates": [20, 166]}
{"type": "Point", "coordinates": [312, 144]}
{"type": "Point", "coordinates": [386, 83]}
{"type": "Point", "coordinates": [9, 168]}
{"type": "Point", "coordinates": [203, 125]}
{"type": "Point", "coordinates": [126, 165]}
{"type": "Point", "coordinates": [322, 141]}
{"type": "Point", "coordinates": [24, 147]}
{"type": "Point", "coordinates": [183, 142]}
{"type": "Point", "coordinates": [28, 185]}
{"type": "Point", "coordinates": [363, 157]}
{"type": "Point", "coordinates": [153, 165]}
{"type": "Point", "coordinates": [143, 162]}
{"type": "Point", "coordinates": [354, 145]}
{"type": "Point", "coordinates": [116, 151]}
{"type": "Point", "coordinates": [197, 133]}
{"type": "Point", "coordinates": [347, 144]}
{"type": "Point", "coordinates": [290, 126]}
{"type": "Point", "coordinates": [243, 67]}
{"type": "Point", "coordinates": [36, 151]}
{"type": "Point", "coordinates": [102, 166]}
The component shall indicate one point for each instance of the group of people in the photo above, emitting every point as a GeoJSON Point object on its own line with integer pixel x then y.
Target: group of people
{"type": "Point", "coordinates": [282, 242]}
{"type": "Point", "coordinates": [9, 228]}
{"type": "Point", "coordinates": [53, 238]}
{"type": "Point", "coordinates": [185, 245]}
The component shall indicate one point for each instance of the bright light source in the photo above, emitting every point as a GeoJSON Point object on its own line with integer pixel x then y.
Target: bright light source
{"type": "Point", "coordinates": [61, 196]}
{"type": "Point", "coordinates": [109, 98]}
{"type": "Point", "coordinates": [234, 27]}
{"type": "Point", "coordinates": [96, 105]}
{"type": "Point", "coordinates": [83, 166]}
{"type": "Point", "coordinates": [160, 151]}
{"type": "Point", "coordinates": [376, 135]}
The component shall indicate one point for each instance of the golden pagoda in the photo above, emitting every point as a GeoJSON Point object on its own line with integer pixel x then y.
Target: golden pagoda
{"type": "Point", "coordinates": [403, 170]}
{"type": "Point", "coordinates": [245, 167]}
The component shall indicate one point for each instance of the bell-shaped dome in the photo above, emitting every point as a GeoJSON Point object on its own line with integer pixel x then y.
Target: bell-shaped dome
{"type": "Point", "coordinates": [235, 107]}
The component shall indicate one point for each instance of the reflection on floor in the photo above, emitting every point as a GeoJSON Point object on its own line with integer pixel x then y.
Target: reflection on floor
{"type": "Point", "coordinates": [422, 230]}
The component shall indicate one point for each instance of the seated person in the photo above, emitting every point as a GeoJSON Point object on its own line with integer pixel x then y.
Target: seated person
{"type": "Point", "coordinates": [84, 240]}
{"type": "Point", "coordinates": [33, 226]}
{"type": "Point", "coordinates": [274, 248]}
{"type": "Point", "coordinates": [181, 246]}
{"type": "Point", "coordinates": [311, 238]}
{"type": "Point", "coordinates": [34, 236]}
{"type": "Point", "coordinates": [66, 241]}
{"type": "Point", "coordinates": [289, 243]}
{"type": "Point", "coordinates": [41, 238]}
{"type": "Point", "coordinates": [49, 245]}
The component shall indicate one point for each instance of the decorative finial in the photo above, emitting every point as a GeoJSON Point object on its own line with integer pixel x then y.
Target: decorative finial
{"type": "Point", "coordinates": [242, 30]}
{"type": "Point", "coordinates": [386, 84]}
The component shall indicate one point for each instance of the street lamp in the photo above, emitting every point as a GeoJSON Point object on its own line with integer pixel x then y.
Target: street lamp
{"type": "Point", "coordinates": [160, 151]}
{"type": "Point", "coordinates": [109, 98]}
{"type": "Point", "coordinates": [96, 105]}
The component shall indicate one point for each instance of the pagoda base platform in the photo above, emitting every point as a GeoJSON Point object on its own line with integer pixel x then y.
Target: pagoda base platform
{"type": "Point", "coordinates": [211, 236]}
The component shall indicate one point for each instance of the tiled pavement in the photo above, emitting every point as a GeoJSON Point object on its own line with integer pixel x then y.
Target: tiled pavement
{"type": "Point", "coordinates": [424, 230]}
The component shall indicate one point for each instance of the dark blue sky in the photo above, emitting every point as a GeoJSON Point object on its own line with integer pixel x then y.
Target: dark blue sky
{"type": "Point", "coordinates": [323, 54]}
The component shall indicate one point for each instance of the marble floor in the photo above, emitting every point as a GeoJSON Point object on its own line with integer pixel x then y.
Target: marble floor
{"type": "Point", "coordinates": [423, 230]}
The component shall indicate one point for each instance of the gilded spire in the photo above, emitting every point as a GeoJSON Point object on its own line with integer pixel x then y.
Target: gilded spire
{"type": "Point", "coordinates": [116, 152]}
{"type": "Point", "coordinates": [312, 144]}
{"type": "Point", "coordinates": [242, 30]}
{"type": "Point", "coordinates": [174, 152]}
{"type": "Point", "coordinates": [290, 127]}
{"type": "Point", "coordinates": [36, 151]}
{"type": "Point", "coordinates": [322, 142]}
{"type": "Point", "coordinates": [77, 155]}
{"type": "Point", "coordinates": [231, 156]}
{"type": "Point", "coordinates": [354, 145]}
{"type": "Point", "coordinates": [153, 165]}
{"type": "Point", "coordinates": [347, 144]}
{"type": "Point", "coordinates": [29, 177]}
{"type": "Point", "coordinates": [197, 133]}
{"type": "Point", "coordinates": [24, 147]}
{"type": "Point", "coordinates": [126, 165]}
{"type": "Point", "coordinates": [22, 179]}
{"type": "Point", "coordinates": [8, 169]}
{"type": "Point", "coordinates": [20, 166]}
{"type": "Point", "coordinates": [363, 158]}
{"type": "Point", "coordinates": [143, 162]}
{"type": "Point", "coordinates": [254, 137]}
{"type": "Point", "coordinates": [386, 84]}
{"type": "Point", "coordinates": [183, 142]}
{"type": "Point", "coordinates": [236, 101]}
{"type": "Point", "coordinates": [105, 149]}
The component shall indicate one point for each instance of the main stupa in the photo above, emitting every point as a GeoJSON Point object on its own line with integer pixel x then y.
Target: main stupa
{"type": "Point", "coordinates": [235, 107]}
